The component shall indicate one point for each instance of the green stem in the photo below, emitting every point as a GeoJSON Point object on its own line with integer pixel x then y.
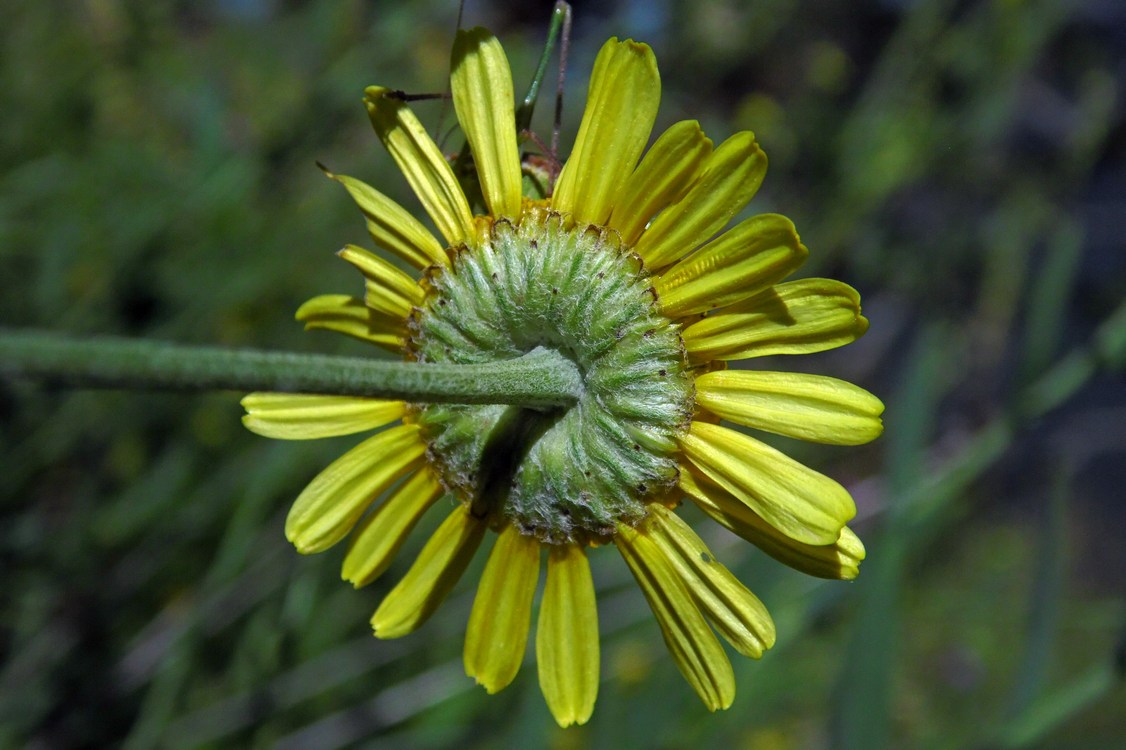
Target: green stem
{"type": "Point", "coordinates": [542, 378]}
{"type": "Point", "coordinates": [559, 14]}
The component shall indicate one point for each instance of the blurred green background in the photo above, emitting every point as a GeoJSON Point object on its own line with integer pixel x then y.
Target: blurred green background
{"type": "Point", "coordinates": [963, 164]}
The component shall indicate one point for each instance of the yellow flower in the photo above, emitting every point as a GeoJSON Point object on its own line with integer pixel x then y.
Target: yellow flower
{"type": "Point", "coordinates": [625, 268]}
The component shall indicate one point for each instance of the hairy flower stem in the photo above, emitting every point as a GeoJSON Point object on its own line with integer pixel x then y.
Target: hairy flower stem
{"type": "Point", "coordinates": [541, 379]}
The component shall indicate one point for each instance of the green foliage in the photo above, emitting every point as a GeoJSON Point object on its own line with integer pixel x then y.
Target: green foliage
{"type": "Point", "coordinates": [960, 163]}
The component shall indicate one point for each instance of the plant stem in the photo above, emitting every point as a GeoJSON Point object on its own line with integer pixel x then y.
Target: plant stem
{"type": "Point", "coordinates": [560, 18]}
{"type": "Point", "coordinates": [542, 378]}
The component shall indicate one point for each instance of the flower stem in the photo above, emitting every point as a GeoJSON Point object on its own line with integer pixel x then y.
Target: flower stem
{"type": "Point", "coordinates": [560, 20]}
{"type": "Point", "coordinates": [542, 378]}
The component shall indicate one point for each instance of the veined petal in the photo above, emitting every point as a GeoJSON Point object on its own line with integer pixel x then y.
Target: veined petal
{"type": "Point", "coordinates": [481, 83]}
{"type": "Point", "coordinates": [349, 315]}
{"type": "Point", "coordinates": [737, 614]}
{"type": "Point", "coordinates": [840, 560]}
{"type": "Point", "coordinates": [497, 633]}
{"type": "Point", "coordinates": [793, 498]}
{"type": "Point", "coordinates": [392, 227]}
{"type": "Point", "coordinates": [329, 507]}
{"type": "Point", "coordinates": [669, 168]}
{"type": "Point", "coordinates": [299, 416]}
{"type": "Point", "coordinates": [738, 264]}
{"type": "Point", "coordinates": [693, 645]}
{"type": "Point", "coordinates": [807, 407]}
{"type": "Point", "coordinates": [389, 291]}
{"type": "Point", "coordinates": [621, 105]}
{"type": "Point", "coordinates": [382, 533]}
{"type": "Point", "coordinates": [567, 637]}
{"type": "Point", "coordinates": [422, 163]}
{"type": "Point", "coordinates": [797, 317]}
{"type": "Point", "coordinates": [730, 179]}
{"type": "Point", "coordinates": [425, 586]}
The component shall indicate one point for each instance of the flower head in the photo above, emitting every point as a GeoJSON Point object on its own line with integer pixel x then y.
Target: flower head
{"type": "Point", "coordinates": [626, 269]}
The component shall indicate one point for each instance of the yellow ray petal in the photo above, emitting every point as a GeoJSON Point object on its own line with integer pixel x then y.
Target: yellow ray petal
{"type": "Point", "coordinates": [392, 227]}
{"type": "Point", "coordinates": [329, 507]}
{"type": "Point", "coordinates": [390, 292]}
{"type": "Point", "coordinates": [807, 407]}
{"type": "Point", "coordinates": [797, 317]}
{"type": "Point", "coordinates": [836, 561]}
{"type": "Point", "coordinates": [621, 105]}
{"type": "Point", "coordinates": [567, 637]}
{"type": "Point", "coordinates": [738, 264]}
{"type": "Point", "coordinates": [420, 161]}
{"type": "Point", "coordinates": [730, 179]}
{"type": "Point", "coordinates": [497, 633]}
{"type": "Point", "coordinates": [737, 614]}
{"type": "Point", "coordinates": [382, 533]}
{"type": "Point", "coordinates": [481, 83]}
{"type": "Point", "coordinates": [433, 574]}
{"type": "Point", "coordinates": [793, 498]}
{"type": "Point", "coordinates": [350, 316]}
{"type": "Point", "coordinates": [669, 168]}
{"type": "Point", "coordinates": [693, 645]}
{"type": "Point", "coordinates": [298, 416]}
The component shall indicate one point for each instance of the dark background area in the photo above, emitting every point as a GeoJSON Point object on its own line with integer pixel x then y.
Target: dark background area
{"type": "Point", "coordinates": [962, 164]}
